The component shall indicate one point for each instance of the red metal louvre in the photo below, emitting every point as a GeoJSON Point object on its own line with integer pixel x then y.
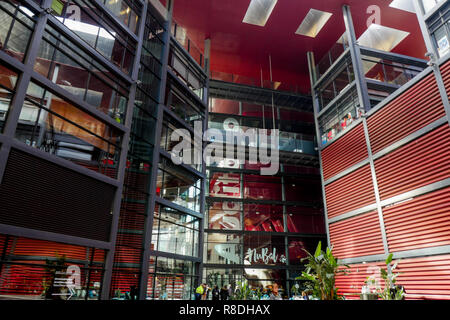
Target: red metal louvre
{"type": "Point", "coordinates": [411, 111]}
{"type": "Point", "coordinates": [425, 277]}
{"type": "Point", "coordinates": [128, 248]}
{"type": "Point", "coordinates": [356, 237]}
{"type": "Point", "coordinates": [419, 223]}
{"type": "Point", "coordinates": [419, 163]}
{"type": "Point", "coordinates": [351, 192]}
{"type": "Point", "coordinates": [123, 279]}
{"type": "Point", "coordinates": [350, 284]}
{"type": "Point", "coordinates": [445, 71]}
{"type": "Point", "coordinates": [345, 152]}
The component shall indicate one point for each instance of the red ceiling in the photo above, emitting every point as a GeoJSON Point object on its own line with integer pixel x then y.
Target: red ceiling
{"type": "Point", "coordinates": [244, 49]}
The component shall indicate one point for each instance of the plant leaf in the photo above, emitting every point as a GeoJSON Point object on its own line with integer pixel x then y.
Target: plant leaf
{"type": "Point", "coordinates": [318, 249]}
{"type": "Point", "coordinates": [389, 259]}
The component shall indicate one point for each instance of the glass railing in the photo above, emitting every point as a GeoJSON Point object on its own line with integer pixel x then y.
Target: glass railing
{"type": "Point", "coordinates": [388, 71]}
{"type": "Point", "coordinates": [330, 57]}
{"type": "Point", "coordinates": [180, 34]}
{"type": "Point", "coordinates": [288, 141]}
{"type": "Point", "coordinates": [249, 81]}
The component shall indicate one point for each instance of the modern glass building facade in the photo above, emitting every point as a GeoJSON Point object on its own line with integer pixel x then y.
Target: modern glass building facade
{"type": "Point", "coordinates": [93, 95]}
{"type": "Point", "coordinates": [257, 226]}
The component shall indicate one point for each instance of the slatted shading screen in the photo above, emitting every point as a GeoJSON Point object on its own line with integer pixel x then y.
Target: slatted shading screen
{"type": "Point", "coordinates": [350, 284]}
{"type": "Point", "coordinates": [345, 152]}
{"type": "Point", "coordinates": [419, 223]}
{"type": "Point", "coordinates": [445, 71]}
{"type": "Point", "coordinates": [357, 236]}
{"type": "Point", "coordinates": [123, 279]}
{"type": "Point", "coordinates": [417, 164]}
{"type": "Point", "coordinates": [411, 111]}
{"type": "Point", "coordinates": [25, 271]}
{"type": "Point", "coordinates": [128, 249]}
{"type": "Point", "coordinates": [41, 195]}
{"type": "Point", "coordinates": [351, 192]}
{"type": "Point", "coordinates": [425, 277]}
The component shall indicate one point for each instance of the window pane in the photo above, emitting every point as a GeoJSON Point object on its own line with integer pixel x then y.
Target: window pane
{"type": "Point", "coordinates": [55, 126]}
{"type": "Point", "coordinates": [15, 30]}
{"type": "Point", "coordinates": [8, 80]}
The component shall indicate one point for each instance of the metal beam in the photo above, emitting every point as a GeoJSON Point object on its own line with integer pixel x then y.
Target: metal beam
{"type": "Point", "coordinates": [148, 227]}
{"type": "Point", "coordinates": [355, 52]}
{"type": "Point", "coordinates": [312, 77]}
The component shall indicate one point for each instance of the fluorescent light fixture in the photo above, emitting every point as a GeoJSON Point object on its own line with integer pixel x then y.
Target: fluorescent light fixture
{"type": "Point", "coordinates": [314, 21]}
{"type": "Point", "coordinates": [381, 37]}
{"type": "Point", "coordinates": [27, 11]}
{"type": "Point", "coordinates": [259, 11]}
{"type": "Point", "coordinates": [77, 26]}
{"type": "Point", "coordinates": [405, 5]}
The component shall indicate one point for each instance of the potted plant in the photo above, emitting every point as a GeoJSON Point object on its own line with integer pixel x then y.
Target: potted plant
{"type": "Point", "coordinates": [242, 292]}
{"type": "Point", "coordinates": [390, 290]}
{"type": "Point", "coordinates": [320, 273]}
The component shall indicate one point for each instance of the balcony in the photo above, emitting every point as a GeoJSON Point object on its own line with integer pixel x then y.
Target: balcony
{"type": "Point", "coordinates": [338, 103]}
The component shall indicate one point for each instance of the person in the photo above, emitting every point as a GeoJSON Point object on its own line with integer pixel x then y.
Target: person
{"type": "Point", "coordinates": [275, 294]}
{"type": "Point", "coordinates": [206, 290]}
{"type": "Point", "coordinates": [304, 296]}
{"type": "Point", "coordinates": [224, 294]}
{"type": "Point", "coordinates": [230, 291]}
{"type": "Point", "coordinates": [133, 293]}
{"type": "Point", "coordinates": [199, 292]}
{"type": "Point", "coordinates": [215, 293]}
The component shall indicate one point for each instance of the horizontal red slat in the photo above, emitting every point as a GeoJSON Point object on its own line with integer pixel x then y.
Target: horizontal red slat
{"type": "Point", "coordinates": [419, 163]}
{"type": "Point", "coordinates": [422, 278]}
{"type": "Point", "coordinates": [411, 111]}
{"type": "Point", "coordinates": [351, 192]}
{"type": "Point", "coordinates": [419, 223]}
{"type": "Point", "coordinates": [445, 71]}
{"type": "Point", "coordinates": [356, 237]}
{"type": "Point", "coordinates": [345, 152]}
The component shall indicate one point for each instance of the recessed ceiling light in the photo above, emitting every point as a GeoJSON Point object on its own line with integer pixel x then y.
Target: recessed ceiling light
{"type": "Point", "coordinates": [314, 21]}
{"type": "Point", "coordinates": [381, 37]}
{"type": "Point", "coordinates": [405, 5]}
{"type": "Point", "coordinates": [259, 11]}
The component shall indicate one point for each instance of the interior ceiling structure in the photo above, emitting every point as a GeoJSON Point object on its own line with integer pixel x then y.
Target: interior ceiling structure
{"type": "Point", "coordinates": [244, 49]}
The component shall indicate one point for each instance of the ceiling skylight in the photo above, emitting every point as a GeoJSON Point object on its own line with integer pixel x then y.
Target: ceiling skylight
{"type": "Point", "coordinates": [381, 37]}
{"type": "Point", "coordinates": [314, 21]}
{"type": "Point", "coordinates": [405, 5]}
{"type": "Point", "coordinates": [259, 11]}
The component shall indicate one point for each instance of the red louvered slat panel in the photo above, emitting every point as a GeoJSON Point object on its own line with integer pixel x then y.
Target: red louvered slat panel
{"type": "Point", "coordinates": [41, 248]}
{"type": "Point", "coordinates": [351, 192]}
{"type": "Point", "coordinates": [425, 277]}
{"type": "Point", "coordinates": [419, 223]}
{"type": "Point", "coordinates": [419, 163]}
{"type": "Point", "coordinates": [411, 111]}
{"type": "Point", "coordinates": [350, 285]}
{"type": "Point", "coordinates": [345, 152]}
{"type": "Point", "coordinates": [123, 279]}
{"type": "Point", "coordinates": [445, 71]}
{"type": "Point", "coordinates": [356, 237]}
{"type": "Point", "coordinates": [128, 248]}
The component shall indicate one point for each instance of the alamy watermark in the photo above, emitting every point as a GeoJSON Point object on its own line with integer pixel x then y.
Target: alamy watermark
{"type": "Point", "coordinates": [257, 146]}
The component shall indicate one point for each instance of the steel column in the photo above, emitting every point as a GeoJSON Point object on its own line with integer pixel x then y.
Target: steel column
{"type": "Point", "coordinates": [109, 261]}
{"type": "Point", "coordinates": [312, 78]}
{"type": "Point", "coordinates": [148, 227]}
{"type": "Point", "coordinates": [355, 53]}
